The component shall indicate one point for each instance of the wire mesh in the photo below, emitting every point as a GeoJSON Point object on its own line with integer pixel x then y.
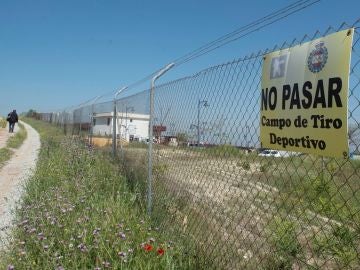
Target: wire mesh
{"type": "Point", "coordinates": [239, 209]}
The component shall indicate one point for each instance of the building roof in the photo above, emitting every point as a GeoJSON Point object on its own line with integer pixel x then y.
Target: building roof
{"type": "Point", "coordinates": [122, 115]}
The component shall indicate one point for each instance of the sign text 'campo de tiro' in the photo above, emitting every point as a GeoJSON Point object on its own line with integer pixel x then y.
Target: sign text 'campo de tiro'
{"type": "Point", "coordinates": [304, 97]}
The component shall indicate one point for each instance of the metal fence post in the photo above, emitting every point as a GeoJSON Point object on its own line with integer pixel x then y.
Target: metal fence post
{"type": "Point", "coordinates": [80, 123]}
{"type": "Point", "coordinates": [115, 121]}
{"type": "Point", "coordinates": [151, 120]}
{"type": "Point", "coordinates": [114, 129]}
{"type": "Point", "coordinates": [205, 104]}
{"type": "Point", "coordinates": [64, 123]}
{"type": "Point", "coordinates": [120, 135]}
{"type": "Point", "coordinates": [92, 119]}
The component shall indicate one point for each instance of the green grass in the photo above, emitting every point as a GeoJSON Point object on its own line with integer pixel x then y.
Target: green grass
{"type": "Point", "coordinates": [341, 244]}
{"type": "Point", "coordinates": [78, 212]}
{"type": "Point", "coordinates": [137, 145]}
{"type": "Point", "coordinates": [2, 123]}
{"type": "Point", "coordinates": [5, 155]}
{"type": "Point", "coordinates": [17, 140]}
{"type": "Point", "coordinates": [286, 247]}
{"type": "Point", "coordinates": [328, 188]}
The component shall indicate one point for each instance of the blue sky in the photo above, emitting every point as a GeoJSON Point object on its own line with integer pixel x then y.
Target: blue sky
{"type": "Point", "coordinates": [55, 54]}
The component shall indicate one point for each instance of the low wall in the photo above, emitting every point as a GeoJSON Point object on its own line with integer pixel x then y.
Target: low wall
{"type": "Point", "coordinates": [104, 141]}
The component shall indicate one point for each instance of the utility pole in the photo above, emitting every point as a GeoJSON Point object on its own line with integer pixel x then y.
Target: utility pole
{"type": "Point", "coordinates": [205, 104]}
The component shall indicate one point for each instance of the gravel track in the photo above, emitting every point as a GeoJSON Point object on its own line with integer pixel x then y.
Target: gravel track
{"type": "Point", "coordinates": [13, 176]}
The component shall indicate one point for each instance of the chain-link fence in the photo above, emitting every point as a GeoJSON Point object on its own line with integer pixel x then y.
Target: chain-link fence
{"type": "Point", "coordinates": [238, 208]}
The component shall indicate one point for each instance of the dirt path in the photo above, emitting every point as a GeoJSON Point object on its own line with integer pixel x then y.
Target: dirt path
{"type": "Point", "coordinates": [14, 174]}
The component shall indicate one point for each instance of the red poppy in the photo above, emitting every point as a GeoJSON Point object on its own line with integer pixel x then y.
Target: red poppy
{"type": "Point", "coordinates": [160, 251]}
{"type": "Point", "coordinates": [148, 247]}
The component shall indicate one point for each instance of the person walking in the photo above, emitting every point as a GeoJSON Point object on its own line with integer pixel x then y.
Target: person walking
{"type": "Point", "coordinates": [12, 118]}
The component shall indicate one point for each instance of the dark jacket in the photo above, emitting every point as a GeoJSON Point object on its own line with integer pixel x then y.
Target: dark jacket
{"type": "Point", "coordinates": [12, 117]}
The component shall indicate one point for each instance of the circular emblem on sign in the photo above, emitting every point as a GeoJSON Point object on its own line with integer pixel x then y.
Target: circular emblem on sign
{"type": "Point", "coordinates": [317, 58]}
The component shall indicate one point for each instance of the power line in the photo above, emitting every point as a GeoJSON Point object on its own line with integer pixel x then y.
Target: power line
{"type": "Point", "coordinates": [245, 27]}
{"type": "Point", "coordinates": [252, 27]}
{"type": "Point", "coordinates": [223, 40]}
{"type": "Point", "coordinates": [249, 28]}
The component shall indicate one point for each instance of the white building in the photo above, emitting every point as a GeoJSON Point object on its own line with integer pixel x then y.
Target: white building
{"type": "Point", "coordinates": [129, 126]}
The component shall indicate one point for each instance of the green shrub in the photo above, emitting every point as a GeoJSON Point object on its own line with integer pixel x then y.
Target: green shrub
{"type": "Point", "coordinates": [2, 123]}
{"type": "Point", "coordinates": [287, 248]}
{"type": "Point", "coordinates": [5, 154]}
{"type": "Point", "coordinates": [341, 244]}
{"type": "Point", "coordinates": [245, 165]}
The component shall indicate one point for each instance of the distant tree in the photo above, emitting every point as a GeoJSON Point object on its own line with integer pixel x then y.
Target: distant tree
{"type": "Point", "coordinates": [31, 113]}
{"type": "Point", "coordinates": [182, 137]}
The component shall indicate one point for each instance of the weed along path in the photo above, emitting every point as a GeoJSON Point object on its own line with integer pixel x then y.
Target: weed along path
{"type": "Point", "coordinates": [13, 175]}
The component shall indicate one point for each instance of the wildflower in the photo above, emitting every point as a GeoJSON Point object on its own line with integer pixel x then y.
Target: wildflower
{"type": "Point", "coordinates": [46, 247]}
{"type": "Point", "coordinates": [160, 251]}
{"type": "Point", "coordinates": [96, 231]}
{"type": "Point", "coordinates": [10, 267]}
{"type": "Point", "coordinates": [41, 236]}
{"type": "Point", "coordinates": [122, 235]}
{"type": "Point", "coordinates": [151, 240]}
{"type": "Point", "coordinates": [122, 254]}
{"type": "Point", "coordinates": [24, 222]}
{"type": "Point", "coordinates": [58, 257]}
{"type": "Point", "coordinates": [106, 264]}
{"type": "Point", "coordinates": [148, 247]}
{"type": "Point", "coordinates": [130, 250]}
{"type": "Point", "coordinates": [82, 247]}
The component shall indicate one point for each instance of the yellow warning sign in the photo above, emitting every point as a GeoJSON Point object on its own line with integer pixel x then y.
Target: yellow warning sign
{"type": "Point", "coordinates": [304, 96]}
